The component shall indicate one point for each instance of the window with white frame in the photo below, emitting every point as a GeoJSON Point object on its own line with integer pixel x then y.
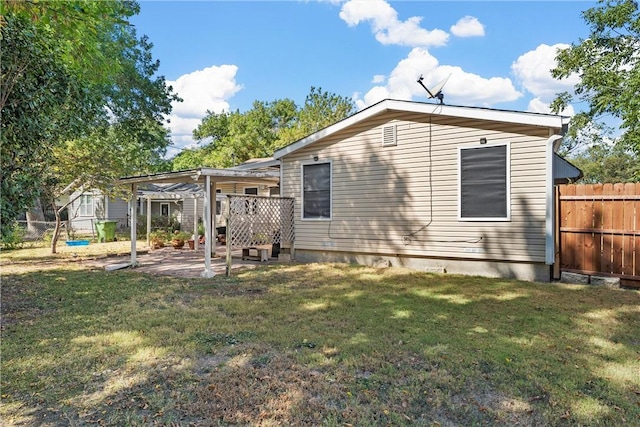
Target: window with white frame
{"type": "Point", "coordinates": [316, 191]}
{"type": "Point", "coordinates": [251, 206]}
{"type": "Point", "coordinates": [484, 184]}
{"type": "Point", "coordinates": [86, 205]}
{"type": "Point", "coordinates": [218, 202]}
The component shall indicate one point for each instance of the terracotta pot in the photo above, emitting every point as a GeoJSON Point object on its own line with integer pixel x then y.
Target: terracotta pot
{"type": "Point", "coordinates": [192, 244]}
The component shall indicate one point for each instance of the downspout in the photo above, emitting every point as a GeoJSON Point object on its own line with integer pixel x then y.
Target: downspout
{"type": "Point", "coordinates": [553, 143]}
{"type": "Point", "coordinates": [280, 181]}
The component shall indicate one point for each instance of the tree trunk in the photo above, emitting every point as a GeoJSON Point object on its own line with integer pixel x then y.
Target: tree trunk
{"type": "Point", "coordinates": [56, 231]}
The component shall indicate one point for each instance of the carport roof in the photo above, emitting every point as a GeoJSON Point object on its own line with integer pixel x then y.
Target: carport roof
{"type": "Point", "coordinates": [197, 176]}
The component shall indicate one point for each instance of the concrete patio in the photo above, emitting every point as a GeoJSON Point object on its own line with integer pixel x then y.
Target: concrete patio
{"type": "Point", "coordinates": [184, 262]}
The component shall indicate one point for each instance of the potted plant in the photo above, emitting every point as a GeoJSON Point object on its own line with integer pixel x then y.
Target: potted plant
{"type": "Point", "coordinates": [178, 238]}
{"type": "Point", "coordinates": [157, 239]}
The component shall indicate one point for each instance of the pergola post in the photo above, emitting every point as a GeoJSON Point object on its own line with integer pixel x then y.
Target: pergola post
{"type": "Point", "coordinates": [148, 221]}
{"type": "Point", "coordinates": [133, 215]}
{"type": "Point", "coordinates": [208, 271]}
{"type": "Point", "coordinates": [212, 208]}
{"type": "Point", "coordinates": [196, 237]}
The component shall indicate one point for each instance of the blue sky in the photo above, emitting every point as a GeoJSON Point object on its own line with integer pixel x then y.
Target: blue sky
{"type": "Point", "coordinates": [223, 55]}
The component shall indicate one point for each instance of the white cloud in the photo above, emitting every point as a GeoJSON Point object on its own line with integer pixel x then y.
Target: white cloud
{"type": "Point", "coordinates": [533, 71]}
{"type": "Point", "coordinates": [387, 28]}
{"type": "Point", "coordinates": [378, 78]}
{"type": "Point", "coordinates": [462, 88]}
{"type": "Point", "coordinates": [203, 90]}
{"type": "Point", "coordinates": [467, 26]}
{"type": "Point", "coordinates": [207, 89]}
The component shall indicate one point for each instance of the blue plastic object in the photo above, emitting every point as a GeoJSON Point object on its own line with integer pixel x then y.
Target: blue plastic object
{"type": "Point", "coordinates": [77, 242]}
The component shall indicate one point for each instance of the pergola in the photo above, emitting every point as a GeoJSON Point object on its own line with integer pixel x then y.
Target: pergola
{"type": "Point", "coordinates": [209, 178]}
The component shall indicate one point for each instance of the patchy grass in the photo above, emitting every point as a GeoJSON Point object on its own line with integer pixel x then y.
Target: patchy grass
{"type": "Point", "coordinates": [19, 261]}
{"type": "Point", "coordinates": [319, 344]}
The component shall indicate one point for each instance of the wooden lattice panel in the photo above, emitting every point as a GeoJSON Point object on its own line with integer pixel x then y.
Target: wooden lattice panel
{"type": "Point", "coordinates": [256, 220]}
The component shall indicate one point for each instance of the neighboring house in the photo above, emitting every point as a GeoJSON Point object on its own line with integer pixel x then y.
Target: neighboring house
{"type": "Point", "coordinates": [430, 187]}
{"type": "Point", "coordinates": [183, 201]}
{"type": "Point", "coordinates": [92, 206]}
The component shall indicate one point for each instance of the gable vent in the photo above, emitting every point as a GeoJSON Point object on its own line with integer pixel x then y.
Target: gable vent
{"type": "Point", "coordinates": [389, 136]}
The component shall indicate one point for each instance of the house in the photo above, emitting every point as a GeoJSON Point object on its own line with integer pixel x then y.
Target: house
{"type": "Point", "coordinates": [180, 202]}
{"type": "Point", "coordinates": [92, 206]}
{"type": "Point", "coordinates": [430, 187]}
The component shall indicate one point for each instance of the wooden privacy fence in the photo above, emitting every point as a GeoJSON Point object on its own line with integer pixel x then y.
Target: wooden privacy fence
{"type": "Point", "coordinates": [598, 229]}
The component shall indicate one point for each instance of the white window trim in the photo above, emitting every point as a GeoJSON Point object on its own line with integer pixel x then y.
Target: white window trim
{"type": "Point", "coordinates": [168, 209]}
{"type": "Point", "coordinates": [244, 191]}
{"type": "Point", "coordinates": [309, 163]}
{"type": "Point", "coordinates": [92, 204]}
{"type": "Point", "coordinates": [508, 172]}
{"type": "Point", "coordinates": [251, 207]}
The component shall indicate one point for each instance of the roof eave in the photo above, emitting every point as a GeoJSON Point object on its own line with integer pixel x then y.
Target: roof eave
{"type": "Point", "coordinates": [197, 176]}
{"type": "Point", "coordinates": [516, 117]}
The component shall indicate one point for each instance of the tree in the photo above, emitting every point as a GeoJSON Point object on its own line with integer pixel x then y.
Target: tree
{"type": "Point", "coordinates": [235, 137]}
{"type": "Point", "coordinates": [603, 163]}
{"type": "Point", "coordinates": [600, 156]}
{"type": "Point", "coordinates": [609, 69]}
{"type": "Point", "coordinates": [34, 86]}
{"type": "Point", "coordinates": [81, 101]}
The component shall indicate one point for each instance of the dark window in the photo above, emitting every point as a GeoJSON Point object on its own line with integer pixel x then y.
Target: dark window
{"type": "Point", "coordinates": [316, 191]}
{"type": "Point", "coordinates": [484, 188]}
{"type": "Point", "coordinates": [218, 203]}
{"type": "Point", "coordinates": [251, 205]}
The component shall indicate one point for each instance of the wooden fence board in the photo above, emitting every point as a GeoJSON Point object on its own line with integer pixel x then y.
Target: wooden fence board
{"type": "Point", "coordinates": [636, 244]}
{"type": "Point", "coordinates": [607, 240]}
{"type": "Point", "coordinates": [628, 222]}
{"type": "Point", "coordinates": [617, 240]}
{"type": "Point", "coordinates": [599, 229]}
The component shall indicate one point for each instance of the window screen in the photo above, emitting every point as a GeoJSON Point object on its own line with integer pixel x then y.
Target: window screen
{"type": "Point", "coordinates": [483, 182]}
{"type": "Point", "coordinates": [316, 187]}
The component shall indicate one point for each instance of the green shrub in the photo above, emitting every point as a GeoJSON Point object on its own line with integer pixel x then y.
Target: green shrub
{"type": "Point", "coordinates": [13, 238]}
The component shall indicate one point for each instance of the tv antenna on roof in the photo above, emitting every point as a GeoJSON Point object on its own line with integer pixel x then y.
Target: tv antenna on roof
{"type": "Point", "coordinates": [436, 92]}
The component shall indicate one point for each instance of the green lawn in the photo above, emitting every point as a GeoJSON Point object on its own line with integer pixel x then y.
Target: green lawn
{"type": "Point", "coordinates": [319, 344]}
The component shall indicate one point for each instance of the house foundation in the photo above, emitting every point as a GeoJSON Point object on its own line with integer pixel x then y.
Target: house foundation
{"type": "Point", "coordinates": [533, 272]}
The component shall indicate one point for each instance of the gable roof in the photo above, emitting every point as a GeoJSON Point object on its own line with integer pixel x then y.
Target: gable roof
{"type": "Point", "coordinates": [506, 116]}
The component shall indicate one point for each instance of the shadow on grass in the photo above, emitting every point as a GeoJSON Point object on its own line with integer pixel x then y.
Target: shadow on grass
{"type": "Point", "coordinates": [315, 344]}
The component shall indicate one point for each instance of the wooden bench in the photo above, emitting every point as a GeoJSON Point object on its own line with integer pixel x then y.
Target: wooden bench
{"type": "Point", "coordinates": [262, 254]}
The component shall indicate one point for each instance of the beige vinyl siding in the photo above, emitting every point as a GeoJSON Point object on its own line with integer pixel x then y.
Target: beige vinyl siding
{"type": "Point", "coordinates": [383, 202]}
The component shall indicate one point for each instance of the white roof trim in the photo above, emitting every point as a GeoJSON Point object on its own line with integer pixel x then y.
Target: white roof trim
{"type": "Point", "coordinates": [197, 176]}
{"type": "Point", "coordinates": [517, 117]}
{"type": "Point", "coordinates": [259, 164]}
